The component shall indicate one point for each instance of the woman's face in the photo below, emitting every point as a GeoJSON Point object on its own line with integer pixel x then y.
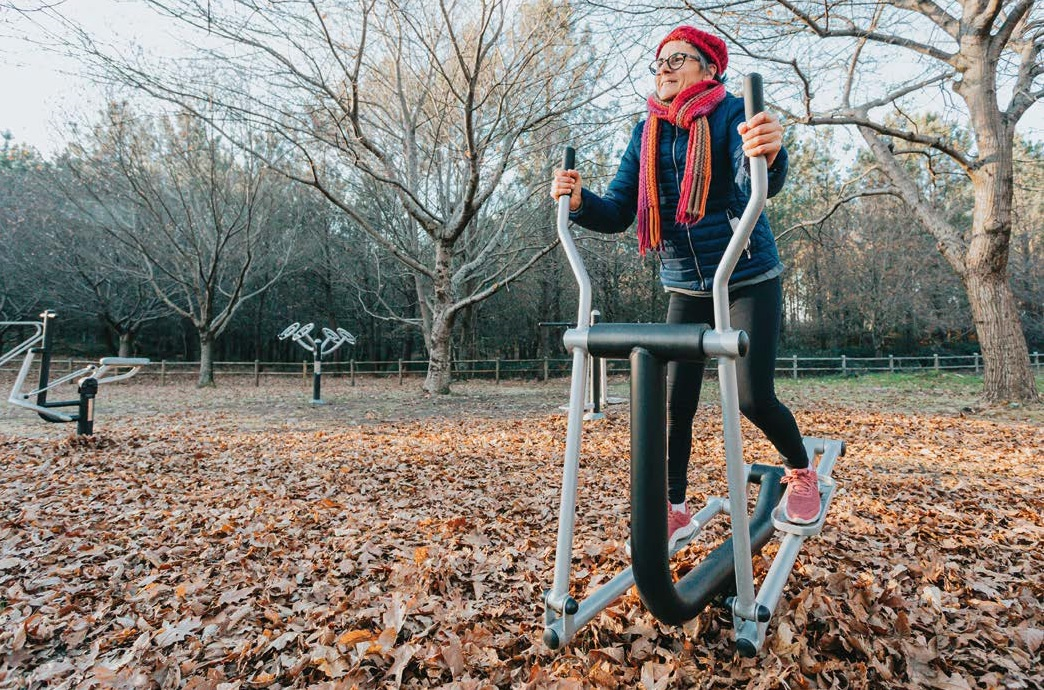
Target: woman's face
{"type": "Point", "coordinates": [669, 83]}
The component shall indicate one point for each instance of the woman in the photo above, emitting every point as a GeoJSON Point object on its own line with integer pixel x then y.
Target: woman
{"type": "Point", "coordinates": [684, 174]}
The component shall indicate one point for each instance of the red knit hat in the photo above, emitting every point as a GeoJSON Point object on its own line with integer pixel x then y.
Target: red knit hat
{"type": "Point", "coordinates": [710, 45]}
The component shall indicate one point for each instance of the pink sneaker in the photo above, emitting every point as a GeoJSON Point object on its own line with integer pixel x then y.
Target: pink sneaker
{"type": "Point", "coordinates": [801, 501]}
{"type": "Point", "coordinates": [679, 526]}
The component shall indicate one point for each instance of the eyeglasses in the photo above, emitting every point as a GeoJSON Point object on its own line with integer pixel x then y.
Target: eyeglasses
{"type": "Point", "coordinates": [675, 62]}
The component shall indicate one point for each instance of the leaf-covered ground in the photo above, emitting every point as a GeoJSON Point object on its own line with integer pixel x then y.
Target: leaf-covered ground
{"type": "Point", "coordinates": [241, 538]}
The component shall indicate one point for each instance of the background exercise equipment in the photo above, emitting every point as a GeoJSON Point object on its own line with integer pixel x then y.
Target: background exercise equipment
{"type": "Point", "coordinates": [597, 386]}
{"type": "Point", "coordinates": [319, 347]}
{"type": "Point", "coordinates": [88, 379]}
{"type": "Point", "coordinates": [650, 347]}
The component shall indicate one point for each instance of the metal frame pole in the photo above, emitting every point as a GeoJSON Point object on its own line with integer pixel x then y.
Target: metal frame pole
{"type": "Point", "coordinates": [45, 356]}
{"type": "Point", "coordinates": [744, 604]}
{"type": "Point", "coordinates": [558, 598]}
{"type": "Point", "coordinates": [597, 376]}
{"type": "Point", "coordinates": [88, 390]}
{"type": "Point", "coordinates": [317, 374]}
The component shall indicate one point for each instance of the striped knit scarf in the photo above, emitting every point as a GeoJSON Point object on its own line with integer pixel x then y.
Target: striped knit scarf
{"type": "Point", "coordinates": [689, 109]}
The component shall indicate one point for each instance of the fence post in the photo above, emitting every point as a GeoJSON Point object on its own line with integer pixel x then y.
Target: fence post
{"type": "Point", "coordinates": [304, 369]}
{"type": "Point", "coordinates": [793, 366]}
{"type": "Point", "coordinates": [844, 365]}
{"type": "Point", "coordinates": [497, 375]}
{"type": "Point", "coordinates": [545, 369]}
{"type": "Point", "coordinates": [1036, 360]}
{"type": "Point", "coordinates": [891, 364]}
{"type": "Point", "coordinates": [351, 371]}
{"type": "Point", "coordinates": [163, 372]}
{"type": "Point", "coordinates": [69, 364]}
{"type": "Point", "coordinates": [935, 362]}
{"type": "Point", "coordinates": [976, 362]}
{"type": "Point", "coordinates": [400, 371]}
{"type": "Point", "coordinates": [257, 373]}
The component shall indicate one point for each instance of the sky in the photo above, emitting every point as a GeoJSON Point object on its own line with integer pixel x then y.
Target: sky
{"type": "Point", "coordinates": [43, 90]}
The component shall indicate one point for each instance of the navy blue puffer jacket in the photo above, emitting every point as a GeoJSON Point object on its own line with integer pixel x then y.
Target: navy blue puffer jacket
{"type": "Point", "coordinates": [691, 254]}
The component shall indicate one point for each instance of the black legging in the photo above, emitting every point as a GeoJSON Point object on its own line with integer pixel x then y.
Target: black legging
{"type": "Point", "coordinates": [756, 309]}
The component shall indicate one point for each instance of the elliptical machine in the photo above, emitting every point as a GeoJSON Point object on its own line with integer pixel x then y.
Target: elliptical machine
{"type": "Point", "coordinates": [650, 347]}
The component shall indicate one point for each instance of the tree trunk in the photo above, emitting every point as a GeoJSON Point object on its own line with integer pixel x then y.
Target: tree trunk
{"type": "Point", "coordinates": [1008, 376]}
{"type": "Point", "coordinates": [259, 320]}
{"type": "Point", "coordinates": [126, 343]}
{"type": "Point", "coordinates": [108, 330]}
{"type": "Point", "coordinates": [440, 361]}
{"type": "Point", "coordinates": [206, 360]}
{"type": "Point", "coordinates": [439, 335]}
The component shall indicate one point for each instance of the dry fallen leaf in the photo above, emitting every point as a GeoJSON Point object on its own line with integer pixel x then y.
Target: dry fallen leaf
{"type": "Point", "coordinates": [196, 549]}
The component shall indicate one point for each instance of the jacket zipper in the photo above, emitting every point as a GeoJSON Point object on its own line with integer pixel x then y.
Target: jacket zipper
{"type": "Point", "coordinates": [677, 181]}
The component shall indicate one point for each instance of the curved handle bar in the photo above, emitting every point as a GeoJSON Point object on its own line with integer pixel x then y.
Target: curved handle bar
{"type": "Point", "coordinates": [331, 341]}
{"type": "Point", "coordinates": [583, 314]}
{"type": "Point", "coordinates": [289, 330]}
{"type": "Point", "coordinates": [346, 336]}
{"type": "Point", "coordinates": [26, 344]}
{"type": "Point", "coordinates": [754, 103]}
{"type": "Point", "coordinates": [569, 161]}
{"type": "Point", "coordinates": [753, 95]}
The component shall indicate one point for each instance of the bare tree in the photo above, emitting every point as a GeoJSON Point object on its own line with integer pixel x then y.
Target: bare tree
{"type": "Point", "coordinates": [200, 223]}
{"type": "Point", "coordinates": [24, 214]}
{"type": "Point", "coordinates": [435, 102]}
{"type": "Point", "coordinates": [96, 275]}
{"type": "Point", "coordinates": [870, 66]}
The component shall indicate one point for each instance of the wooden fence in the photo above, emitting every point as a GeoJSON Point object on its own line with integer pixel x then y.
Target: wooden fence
{"type": "Point", "coordinates": [529, 369]}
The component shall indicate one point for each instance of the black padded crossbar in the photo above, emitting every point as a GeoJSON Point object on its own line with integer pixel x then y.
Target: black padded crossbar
{"type": "Point", "coordinates": [664, 341]}
{"type": "Point", "coordinates": [674, 603]}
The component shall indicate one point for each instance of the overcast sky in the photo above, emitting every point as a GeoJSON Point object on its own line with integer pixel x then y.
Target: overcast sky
{"type": "Point", "coordinates": [42, 90]}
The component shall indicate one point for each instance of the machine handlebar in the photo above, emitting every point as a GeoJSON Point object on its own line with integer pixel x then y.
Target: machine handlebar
{"type": "Point", "coordinates": [753, 95]}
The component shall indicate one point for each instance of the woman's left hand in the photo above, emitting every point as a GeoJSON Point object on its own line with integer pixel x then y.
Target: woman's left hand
{"type": "Point", "coordinates": [762, 136]}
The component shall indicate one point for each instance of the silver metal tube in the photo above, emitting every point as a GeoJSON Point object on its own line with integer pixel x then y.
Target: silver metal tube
{"type": "Point", "coordinates": [566, 626]}
{"type": "Point", "coordinates": [17, 397]}
{"type": "Point", "coordinates": [736, 474]}
{"type": "Point", "coordinates": [736, 471]}
{"type": "Point", "coordinates": [583, 310]}
{"type": "Point", "coordinates": [567, 511]}
{"type": "Point", "coordinates": [751, 213]}
{"type": "Point", "coordinates": [730, 344]}
{"type": "Point", "coordinates": [604, 402]}
{"type": "Point", "coordinates": [79, 373]}
{"type": "Point", "coordinates": [779, 571]}
{"type": "Point", "coordinates": [115, 377]}
{"type": "Point", "coordinates": [29, 342]}
{"type": "Point", "coordinates": [831, 450]}
{"type": "Point", "coordinates": [715, 506]}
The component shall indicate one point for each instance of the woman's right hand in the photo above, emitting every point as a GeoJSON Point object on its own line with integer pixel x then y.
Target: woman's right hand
{"type": "Point", "coordinates": [567, 182]}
